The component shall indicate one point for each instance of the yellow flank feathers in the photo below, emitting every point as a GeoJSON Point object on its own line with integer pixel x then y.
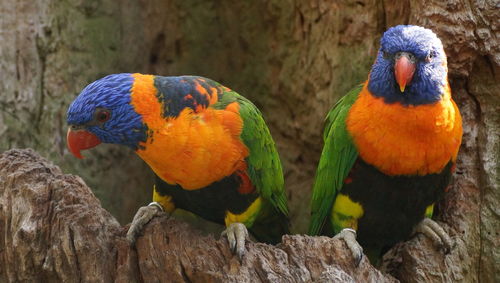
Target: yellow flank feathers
{"type": "Point", "coordinates": [345, 213]}
{"type": "Point", "coordinates": [429, 211]}
{"type": "Point", "coordinates": [247, 217]}
{"type": "Point", "coordinates": [165, 201]}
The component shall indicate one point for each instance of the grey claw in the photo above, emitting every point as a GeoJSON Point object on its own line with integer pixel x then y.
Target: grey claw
{"type": "Point", "coordinates": [141, 218]}
{"type": "Point", "coordinates": [349, 237]}
{"type": "Point", "coordinates": [436, 233]}
{"type": "Point", "coordinates": [358, 257]}
{"type": "Point", "coordinates": [230, 238]}
{"type": "Point", "coordinates": [236, 234]}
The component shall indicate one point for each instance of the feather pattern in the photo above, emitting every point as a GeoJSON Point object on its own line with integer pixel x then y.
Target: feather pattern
{"type": "Point", "coordinates": [389, 151]}
{"type": "Point", "coordinates": [209, 146]}
{"type": "Point", "coordinates": [337, 159]}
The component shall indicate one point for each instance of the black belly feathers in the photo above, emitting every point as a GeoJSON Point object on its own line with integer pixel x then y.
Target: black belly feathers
{"type": "Point", "coordinates": [392, 205]}
{"type": "Point", "coordinates": [210, 202]}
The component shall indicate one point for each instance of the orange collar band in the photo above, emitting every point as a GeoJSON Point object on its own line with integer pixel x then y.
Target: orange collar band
{"type": "Point", "coordinates": [405, 140]}
{"type": "Point", "coordinates": [192, 149]}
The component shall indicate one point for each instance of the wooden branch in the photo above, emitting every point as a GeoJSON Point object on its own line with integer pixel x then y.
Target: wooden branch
{"type": "Point", "coordinates": [54, 229]}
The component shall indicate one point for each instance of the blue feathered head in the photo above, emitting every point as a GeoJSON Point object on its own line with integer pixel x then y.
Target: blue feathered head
{"type": "Point", "coordinates": [410, 67]}
{"type": "Point", "coordinates": [102, 113]}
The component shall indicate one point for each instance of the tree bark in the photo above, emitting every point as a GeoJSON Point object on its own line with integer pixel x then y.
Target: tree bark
{"type": "Point", "coordinates": [53, 229]}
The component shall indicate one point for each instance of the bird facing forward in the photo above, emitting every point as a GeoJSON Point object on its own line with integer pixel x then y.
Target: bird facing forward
{"type": "Point", "coordinates": [390, 147]}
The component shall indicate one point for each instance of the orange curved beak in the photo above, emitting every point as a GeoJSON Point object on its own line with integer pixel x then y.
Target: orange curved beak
{"type": "Point", "coordinates": [404, 69]}
{"type": "Point", "coordinates": [78, 140]}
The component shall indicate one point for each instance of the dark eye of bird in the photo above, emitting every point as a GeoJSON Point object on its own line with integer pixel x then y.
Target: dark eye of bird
{"type": "Point", "coordinates": [103, 116]}
{"type": "Point", "coordinates": [386, 55]}
{"type": "Point", "coordinates": [431, 56]}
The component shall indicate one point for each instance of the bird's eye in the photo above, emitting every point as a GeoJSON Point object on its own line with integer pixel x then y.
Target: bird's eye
{"type": "Point", "coordinates": [430, 56]}
{"type": "Point", "coordinates": [386, 54]}
{"type": "Point", "coordinates": [103, 116]}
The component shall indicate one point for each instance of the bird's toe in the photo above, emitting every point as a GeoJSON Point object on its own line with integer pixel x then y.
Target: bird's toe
{"type": "Point", "coordinates": [349, 237]}
{"type": "Point", "coordinates": [141, 218]}
{"type": "Point", "coordinates": [236, 234]}
{"type": "Point", "coordinates": [436, 233]}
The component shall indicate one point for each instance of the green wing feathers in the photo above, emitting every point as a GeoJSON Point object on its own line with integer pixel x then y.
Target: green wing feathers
{"type": "Point", "coordinates": [337, 159]}
{"type": "Point", "coordinates": [264, 165]}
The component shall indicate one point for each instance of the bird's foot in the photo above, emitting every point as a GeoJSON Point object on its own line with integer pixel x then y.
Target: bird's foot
{"type": "Point", "coordinates": [236, 234]}
{"type": "Point", "coordinates": [141, 218]}
{"type": "Point", "coordinates": [436, 233]}
{"type": "Point", "coordinates": [349, 237]}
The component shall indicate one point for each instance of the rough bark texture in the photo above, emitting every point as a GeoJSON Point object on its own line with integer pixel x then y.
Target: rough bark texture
{"type": "Point", "coordinates": [53, 229]}
{"type": "Point", "coordinates": [49, 50]}
{"type": "Point", "coordinates": [292, 58]}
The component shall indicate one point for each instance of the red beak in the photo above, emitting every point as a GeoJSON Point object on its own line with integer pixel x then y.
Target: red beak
{"type": "Point", "coordinates": [79, 140]}
{"type": "Point", "coordinates": [404, 69]}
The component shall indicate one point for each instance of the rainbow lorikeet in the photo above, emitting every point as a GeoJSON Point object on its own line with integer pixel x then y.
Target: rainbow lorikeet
{"type": "Point", "coordinates": [390, 147]}
{"type": "Point", "coordinates": [209, 147]}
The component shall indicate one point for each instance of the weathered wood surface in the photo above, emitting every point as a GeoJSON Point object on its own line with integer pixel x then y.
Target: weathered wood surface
{"type": "Point", "coordinates": [53, 229]}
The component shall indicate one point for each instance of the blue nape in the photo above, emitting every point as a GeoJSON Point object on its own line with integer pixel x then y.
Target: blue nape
{"type": "Point", "coordinates": [430, 74]}
{"type": "Point", "coordinates": [112, 93]}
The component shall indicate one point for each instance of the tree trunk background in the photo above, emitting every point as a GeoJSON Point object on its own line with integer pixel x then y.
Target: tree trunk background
{"type": "Point", "coordinates": [294, 59]}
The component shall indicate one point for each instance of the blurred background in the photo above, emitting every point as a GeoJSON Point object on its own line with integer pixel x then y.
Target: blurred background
{"type": "Point", "coordinates": [293, 59]}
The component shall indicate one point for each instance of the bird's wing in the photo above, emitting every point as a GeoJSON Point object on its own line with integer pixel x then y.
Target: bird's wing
{"type": "Point", "coordinates": [264, 165]}
{"type": "Point", "coordinates": [263, 162]}
{"type": "Point", "coordinates": [337, 159]}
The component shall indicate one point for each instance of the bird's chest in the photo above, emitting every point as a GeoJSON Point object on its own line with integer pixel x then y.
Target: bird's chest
{"type": "Point", "coordinates": [195, 150]}
{"type": "Point", "coordinates": [405, 140]}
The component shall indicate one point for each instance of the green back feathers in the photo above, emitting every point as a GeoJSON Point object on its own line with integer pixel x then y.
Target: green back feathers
{"type": "Point", "coordinates": [263, 163]}
{"type": "Point", "coordinates": [337, 159]}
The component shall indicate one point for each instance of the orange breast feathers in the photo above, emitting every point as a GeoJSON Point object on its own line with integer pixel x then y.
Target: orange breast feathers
{"type": "Point", "coordinates": [193, 149]}
{"type": "Point", "coordinates": [405, 140]}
